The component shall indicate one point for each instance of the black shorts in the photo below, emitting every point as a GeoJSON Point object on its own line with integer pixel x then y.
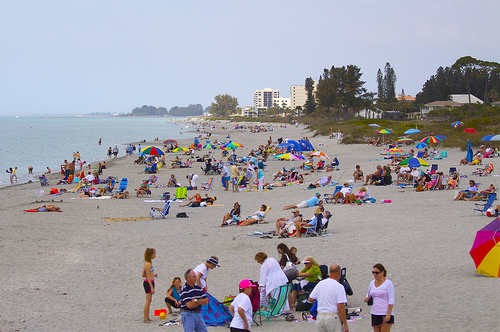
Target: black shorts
{"type": "Point", "coordinates": [378, 320]}
{"type": "Point", "coordinates": [147, 289]}
{"type": "Point", "coordinates": [234, 329]}
{"type": "Point", "coordinates": [172, 303]}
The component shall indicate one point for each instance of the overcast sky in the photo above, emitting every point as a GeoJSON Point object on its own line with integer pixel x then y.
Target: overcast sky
{"type": "Point", "coordinates": [110, 56]}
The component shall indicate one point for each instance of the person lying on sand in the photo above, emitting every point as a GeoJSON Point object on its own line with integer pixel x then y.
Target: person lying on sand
{"type": "Point", "coordinates": [123, 195]}
{"type": "Point", "coordinates": [45, 208]}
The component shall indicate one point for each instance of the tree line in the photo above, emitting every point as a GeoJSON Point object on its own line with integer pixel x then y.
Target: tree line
{"type": "Point", "coordinates": [191, 110]}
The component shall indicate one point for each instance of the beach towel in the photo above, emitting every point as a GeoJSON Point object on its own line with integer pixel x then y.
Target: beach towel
{"type": "Point", "coordinates": [126, 219]}
{"type": "Point", "coordinates": [215, 313]}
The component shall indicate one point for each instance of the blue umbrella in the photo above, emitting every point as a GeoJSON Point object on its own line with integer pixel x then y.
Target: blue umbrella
{"type": "Point", "coordinates": [441, 137]}
{"type": "Point", "coordinates": [411, 131]}
{"type": "Point", "coordinates": [284, 145]}
{"type": "Point", "coordinates": [487, 138]}
{"type": "Point", "coordinates": [469, 151]}
{"type": "Point", "coordinates": [421, 145]}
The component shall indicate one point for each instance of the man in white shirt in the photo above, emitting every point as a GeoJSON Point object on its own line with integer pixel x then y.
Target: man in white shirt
{"type": "Point", "coordinates": [331, 298]}
{"type": "Point", "coordinates": [241, 308]}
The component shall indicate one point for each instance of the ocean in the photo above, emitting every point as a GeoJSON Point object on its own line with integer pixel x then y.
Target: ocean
{"type": "Point", "coordinates": [47, 141]}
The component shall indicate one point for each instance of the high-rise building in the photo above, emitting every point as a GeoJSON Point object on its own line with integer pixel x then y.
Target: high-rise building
{"type": "Point", "coordinates": [264, 98]}
{"type": "Point", "coordinates": [298, 95]}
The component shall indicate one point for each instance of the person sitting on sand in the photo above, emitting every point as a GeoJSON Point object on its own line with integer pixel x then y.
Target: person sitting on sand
{"type": "Point", "coordinates": [453, 182]}
{"type": "Point", "coordinates": [108, 188]}
{"type": "Point", "coordinates": [143, 189]}
{"type": "Point", "coordinates": [45, 208]}
{"type": "Point", "coordinates": [482, 194]}
{"type": "Point", "coordinates": [313, 201]}
{"type": "Point", "coordinates": [403, 175]}
{"type": "Point", "coordinates": [288, 224]}
{"type": "Point", "coordinates": [172, 182]}
{"type": "Point", "coordinates": [375, 176]}
{"type": "Point", "coordinates": [123, 195]}
{"type": "Point", "coordinates": [255, 217]}
{"type": "Point", "coordinates": [358, 174]}
{"type": "Point", "coordinates": [469, 192]}
{"type": "Point", "coordinates": [361, 194]}
{"type": "Point", "coordinates": [233, 215]}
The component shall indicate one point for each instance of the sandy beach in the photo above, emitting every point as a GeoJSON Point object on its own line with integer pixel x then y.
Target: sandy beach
{"type": "Point", "coordinates": [74, 271]}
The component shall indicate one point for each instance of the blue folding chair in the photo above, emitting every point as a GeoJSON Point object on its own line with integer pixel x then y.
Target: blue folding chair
{"type": "Point", "coordinates": [485, 206]}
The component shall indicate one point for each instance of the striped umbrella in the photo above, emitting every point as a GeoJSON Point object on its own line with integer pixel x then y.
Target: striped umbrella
{"type": "Point", "coordinates": [457, 124]}
{"type": "Point", "coordinates": [289, 156]}
{"type": "Point", "coordinates": [153, 151]}
{"type": "Point", "coordinates": [208, 146]}
{"type": "Point", "coordinates": [394, 152]}
{"type": "Point", "coordinates": [411, 131]}
{"type": "Point", "coordinates": [319, 154]}
{"type": "Point", "coordinates": [231, 146]}
{"type": "Point", "coordinates": [431, 139]}
{"type": "Point", "coordinates": [414, 162]}
{"type": "Point", "coordinates": [180, 149]}
{"type": "Point", "coordinates": [421, 145]}
{"type": "Point", "coordinates": [403, 140]}
{"type": "Point", "coordinates": [384, 131]}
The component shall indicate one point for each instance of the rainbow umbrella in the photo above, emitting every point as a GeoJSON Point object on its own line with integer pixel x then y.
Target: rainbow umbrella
{"type": "Point", "coordinates": [404, 140]}
{"type": "Point", "coordinates": [394, 152]}
{"type": "Point", "coordinates": [414, 162]}
{"type": "Point", "coordinates": [153, 151]}
{"type": "Point", "coordinates": [457, 124]}
{"type": "Point", "coordinates": [180, 149]}
{"type": "Point", "coordinates": [384, 131]}
{"type": "Point", "coordinates": [411, 131]}
{"type": "Point", "coordinates": [208, 146]}
{"type": "Point", "coordinates": [486, 250]}
{"type": "Point", "coordinates": [470, 131]}
{"type": "Point", "coordinates": [231, 146]}
{"type": "Point", "coordinates": [431, 139]}
{"type": "Point", "coordinates": [319, 154]}
{"type": "Point", "coordinates": [289, 156]}
{"type": "Point", "coordinates": [421, 145]}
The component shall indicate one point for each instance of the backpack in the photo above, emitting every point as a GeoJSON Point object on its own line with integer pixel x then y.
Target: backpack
{"type": "Point", "coordinates": [182, 215]}
{"type": "Point", "coordinates": [343, 281]}
{"type": "Point", "coordinates": [324, 271]}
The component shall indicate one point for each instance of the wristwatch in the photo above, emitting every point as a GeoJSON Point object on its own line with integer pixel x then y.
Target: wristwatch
{"type": "Point", "coordinates": [195, 300]}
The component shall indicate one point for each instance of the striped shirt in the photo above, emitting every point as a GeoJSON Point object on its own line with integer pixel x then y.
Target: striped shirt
{"type": "Point", "coordinates": [189, 293]}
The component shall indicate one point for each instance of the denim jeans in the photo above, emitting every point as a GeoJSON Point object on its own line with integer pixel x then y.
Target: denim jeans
{"type": "Point", "coordinates": [192, 321]}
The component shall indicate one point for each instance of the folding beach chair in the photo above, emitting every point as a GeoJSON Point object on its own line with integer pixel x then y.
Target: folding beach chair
{"type": "Point", "coordinates": [437, 182]}
{"type": "Point", "coordinates": [276, 303]}
{"type": "Point", "coordinates": [43, 181]}
{"type": "Point", "coordinates": [207, 185]}
{"type": "Point", "coordinates": [487, 170]}
{"type": "Point", "coordinates": [483, 207]}
{"type": "Point", "coordinates": [123, 186]}
{"type": "Point", "coordinates": [320, 228]}
{"type": "Point", "coordinates": [261, 219]}
{"type": "Point", "coordinates": [434, 168]}
{"type": "Point", "coordinates": [329, 197]}
{"type": "Point", "coordinates": [160, 214]}
{"type": "Point", "coordinates": [420, 154]}
{"type": "Point", "coordinates": [180, 192]}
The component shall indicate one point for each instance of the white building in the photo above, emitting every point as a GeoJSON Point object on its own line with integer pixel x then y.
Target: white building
{"type": "Point", "coordinates": [298, 95]}
{"type": "Point", "coordinates": [282, 102]}
{"type": "Point", "coordinates": [264, 98]}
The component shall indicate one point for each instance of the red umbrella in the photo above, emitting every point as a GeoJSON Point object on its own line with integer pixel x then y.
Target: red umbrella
{"type": "Point", "coordinates": [470, 131]}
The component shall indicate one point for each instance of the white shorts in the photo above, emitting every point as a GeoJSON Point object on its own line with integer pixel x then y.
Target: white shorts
{"type": "Point", "coordinates": [302, 205]}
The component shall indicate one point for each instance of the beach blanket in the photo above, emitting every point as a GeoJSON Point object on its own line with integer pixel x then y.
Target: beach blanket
{"type": "Point", "coordinates": [126, 219]}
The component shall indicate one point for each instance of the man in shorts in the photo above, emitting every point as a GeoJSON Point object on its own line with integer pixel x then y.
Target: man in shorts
{"type": "Point", "coordinates": [226, 176]}
{"type": "Point", "coordinates": [235, 176]}
{"type": "Point", "coordinates": [331, 298]}
{"type": "Point", "coordinates": [313, 201]}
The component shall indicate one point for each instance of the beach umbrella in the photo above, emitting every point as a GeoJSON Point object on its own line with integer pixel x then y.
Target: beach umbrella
{"type": "Point", "coordinates": [470, 131]}
{"type": "Point", "coordinates": [384, 131]}
{"type": "Point", "coordinates": [457, 124]}
{"type": "Point", "coordinates": [414, 162]}
{"type": "Point", "coordinates": [441, 137]}
{"type": "Point", "coordinates": [404, 140]}
{"type": "Point", "coordinates": [411, 131]}
{"type": "Point", "coordinates": [486, 250]}
{"type": "Point", "coordinates": [153, 151]}
{"type": "Point", "coordinates": [208, 146]}
{"type": "Point", "coordinates": [232, 146]}
{"type": "Point", "coordinates": [495, 138]}
{"type": "Point", "coordinates": [169, 141]}
{"type": "Point", "coordinates": [421, 145]}
{"type": "Point", "coordinates": [469, 152]}
{"type": "Point", "coordinates": [289, 156]}
{"type": "Point", "coordinates": [374, 125]}
{"type": "Point", "coordinates": [431, 139]}
{"type": "Point", "coordinates": [320, 154]}
{"type": "Point", "coordinates": [487, 138]}
{"type": "Point", "coordinates": [394, 152]}
{"type": "Point", "coordinates": [179, 149]}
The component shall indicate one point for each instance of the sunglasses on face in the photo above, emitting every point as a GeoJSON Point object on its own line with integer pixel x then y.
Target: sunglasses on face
{"type": "Point", "coordinates": [375, 272]}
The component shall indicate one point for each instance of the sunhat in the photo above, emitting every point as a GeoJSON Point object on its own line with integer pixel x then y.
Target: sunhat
{"type": "Point", "coordinates": [317, 211]}
{"type": "Point", "coordinates": [295, 210]}
{"type": "Point", "coordinates": [213, 261]}
{"type": "Point", "coordinates": [245, 283]}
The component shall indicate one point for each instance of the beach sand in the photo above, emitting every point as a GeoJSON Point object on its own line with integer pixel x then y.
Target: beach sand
{"type": "Point", "coordinates": [73, 271]}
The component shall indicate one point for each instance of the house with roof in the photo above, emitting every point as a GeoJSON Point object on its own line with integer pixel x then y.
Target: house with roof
{"type": "Point", "coordinates": [455, 101]}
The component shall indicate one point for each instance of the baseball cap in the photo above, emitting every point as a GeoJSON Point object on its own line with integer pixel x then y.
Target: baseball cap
{"type": "Point", "coordinates": [295, 210]}
{"type": "Point", "coordinates": [318, 211]}
{"type": "Point", "coordinates": [246, 283]}
{"type": "Point", "coordinates": [317, 194]}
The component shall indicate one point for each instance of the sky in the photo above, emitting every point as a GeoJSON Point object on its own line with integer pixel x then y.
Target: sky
{"type": "Point", "coordinates": [82, 56]}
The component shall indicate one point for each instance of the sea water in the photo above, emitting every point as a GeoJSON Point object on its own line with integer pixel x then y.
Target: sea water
{"type": "Point", "coordinates": [44, 142]}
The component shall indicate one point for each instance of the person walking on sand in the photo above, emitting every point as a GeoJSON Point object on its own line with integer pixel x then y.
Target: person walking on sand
{"type": "Point", "coordinates": [192, 298]}
{"type": "Point", "coordinates": [235, 175]}
{"type": "Point", "coordinates": [115, 151]}
{"type": "Point", "coordinates": [202, 271]}
{"type": "Point", "coordinates": [149, 281]}
{"type": "Point", "coordinates": [110, 152]}
{"type": "Point", "coordinates": [331, 298]}
{"type": "Point", "coordinates": [381, 290]}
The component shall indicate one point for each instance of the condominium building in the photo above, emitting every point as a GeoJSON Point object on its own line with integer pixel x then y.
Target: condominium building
{"type": "Point", "coordinates": [265, 98]}
{"type": "Point", "coordinates": [298, 95]}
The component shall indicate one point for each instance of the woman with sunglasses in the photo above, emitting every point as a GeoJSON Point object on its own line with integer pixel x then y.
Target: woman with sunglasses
{"type": "Point", "coordinates": [173, 298]}
{"type": "Point", "coordinates": [234, 215]}
{"type": "Point", "coordinates": [381, 290]}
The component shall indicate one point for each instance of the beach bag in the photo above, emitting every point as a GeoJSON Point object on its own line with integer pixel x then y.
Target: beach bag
{"type": "Point", "coordinates": [302, 303]}
{"type": "Point", "coordinates": [290, 270]}
{"type": "Point", "coordinates": [195, 204]}
{"type": "Point", "coordinates": [182, 215]}
{"type": "Point", "coordinates": [420, 188]}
